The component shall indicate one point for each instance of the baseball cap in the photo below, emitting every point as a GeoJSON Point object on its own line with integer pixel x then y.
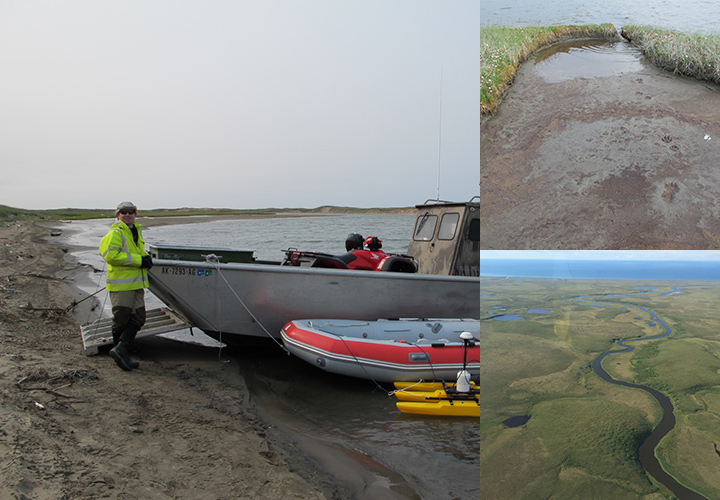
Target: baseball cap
{"type": "Point", "coordinates": [125, 205]}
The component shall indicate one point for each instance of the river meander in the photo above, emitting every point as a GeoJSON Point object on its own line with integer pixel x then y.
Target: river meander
{"type": "Point", "coordinates": [647, 450]}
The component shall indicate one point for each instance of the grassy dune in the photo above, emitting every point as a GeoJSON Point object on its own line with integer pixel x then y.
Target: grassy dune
{"type": "Point", "coordinates": [504, 48]}
{"type": "Point", "coordinates": [582, 438]}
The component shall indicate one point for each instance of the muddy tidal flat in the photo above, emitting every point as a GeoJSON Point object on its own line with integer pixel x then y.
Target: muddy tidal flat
{"type": "Point", "coordinates": [577, 158]}
{"type": "Point", "coordinates": [73, 426]}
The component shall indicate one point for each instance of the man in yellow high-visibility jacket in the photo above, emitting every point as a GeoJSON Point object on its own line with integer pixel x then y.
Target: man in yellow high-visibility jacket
{"type": "Point", "coordinates": [123, 249]}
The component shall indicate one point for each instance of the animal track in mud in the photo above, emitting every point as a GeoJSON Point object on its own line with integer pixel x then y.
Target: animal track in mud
{"type": "Point", "coordinates": [670, 190]}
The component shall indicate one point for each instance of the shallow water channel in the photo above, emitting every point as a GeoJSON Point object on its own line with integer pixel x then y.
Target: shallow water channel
{"type": "Point", "coordinates": [587, 59]}
{"type": "Point", "coordinates": [351, 429]}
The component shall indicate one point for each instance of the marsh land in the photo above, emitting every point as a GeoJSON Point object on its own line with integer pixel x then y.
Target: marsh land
{"type": "Point", "coordinates": [539, 339]}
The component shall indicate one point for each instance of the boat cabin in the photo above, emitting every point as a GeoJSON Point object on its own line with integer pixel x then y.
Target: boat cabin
{"type": "Point", "coordinates": [446, 238]}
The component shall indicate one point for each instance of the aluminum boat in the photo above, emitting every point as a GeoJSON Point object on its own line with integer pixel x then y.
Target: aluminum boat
{"type": "Point", "coordinates": [231, 299]}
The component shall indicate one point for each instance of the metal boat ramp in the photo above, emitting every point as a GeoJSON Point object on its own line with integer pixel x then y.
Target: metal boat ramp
{"type": "Point", "coordinates": [99, 333]}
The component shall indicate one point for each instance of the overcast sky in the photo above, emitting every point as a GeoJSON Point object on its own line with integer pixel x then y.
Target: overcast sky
{"type": "Point", "coordinates": [239, 104]}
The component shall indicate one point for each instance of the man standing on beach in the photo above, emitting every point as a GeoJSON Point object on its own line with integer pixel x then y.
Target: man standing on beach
{"type": "Point", "coordinates": [123, 249]}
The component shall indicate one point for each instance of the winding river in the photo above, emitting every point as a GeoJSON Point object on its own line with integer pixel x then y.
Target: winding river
{"type": "Point", "coordinates": [647, 450]}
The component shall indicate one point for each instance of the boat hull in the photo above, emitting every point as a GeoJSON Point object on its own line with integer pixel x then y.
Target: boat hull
{"type": "Point", "coordinates": [385, 351]}
{"type": "Point", "coordinates": [231, 301]}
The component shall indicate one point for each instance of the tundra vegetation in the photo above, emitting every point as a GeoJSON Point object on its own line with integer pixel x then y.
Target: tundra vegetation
{"type": "Point", "coordinates": [11, 213]}
{"type": "Point", "coordinates": [504, 48]}
{"type": "Point", "coordinates": [583, 435]}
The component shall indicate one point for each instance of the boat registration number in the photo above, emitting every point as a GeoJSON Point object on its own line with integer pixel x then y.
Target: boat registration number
{"type": "Point", "coordinates": [186, 271]}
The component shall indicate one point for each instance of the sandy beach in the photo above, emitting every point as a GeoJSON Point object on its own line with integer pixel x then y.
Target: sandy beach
{"type": "Point", "coordinates": [72, 426]}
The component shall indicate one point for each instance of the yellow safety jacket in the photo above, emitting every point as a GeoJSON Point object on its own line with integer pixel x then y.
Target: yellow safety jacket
{"type": "Point", "coordinates": [124, 257]}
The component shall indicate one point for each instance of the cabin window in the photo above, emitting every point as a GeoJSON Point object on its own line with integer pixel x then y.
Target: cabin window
{"type": "Point", "coordinates": [425, 227]}
{"type": "Point", "coordinates": [448, 225]}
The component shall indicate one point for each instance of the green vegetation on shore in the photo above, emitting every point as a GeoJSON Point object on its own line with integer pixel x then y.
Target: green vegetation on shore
{"type": "Point", "coordinates": [504, 48]}
{"type": "Point", "coordinates": [688, 54]}
{"type": "Point", "coordinates": [11, 213]}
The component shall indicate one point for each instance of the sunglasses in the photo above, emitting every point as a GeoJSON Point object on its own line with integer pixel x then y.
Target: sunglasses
{"type": "Point", "coordinates": [126, 212]}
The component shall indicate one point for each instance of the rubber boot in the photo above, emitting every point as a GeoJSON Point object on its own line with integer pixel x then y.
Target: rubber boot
{"type": "Point", "coordinates": [132, 363]}
{"type": "Point", "coordinates": [128, 336]}
{"type": "Point", "coordinates": [121, 356]}
{"type": "Point", "coordinates": [121, 352]}
{"type": "Point", "coordinates": [116, 336]}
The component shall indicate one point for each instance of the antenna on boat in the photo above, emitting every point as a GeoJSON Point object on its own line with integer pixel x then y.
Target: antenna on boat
{"type": "Point", "coordinates": [437, 195]}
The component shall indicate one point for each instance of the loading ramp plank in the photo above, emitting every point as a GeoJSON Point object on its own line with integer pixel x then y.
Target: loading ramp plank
{"type": "Point", "coordinates": [99, 333]}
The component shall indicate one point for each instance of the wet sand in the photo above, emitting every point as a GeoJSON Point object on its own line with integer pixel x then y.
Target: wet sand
{"type": "Point", "coordinates": [181, 426]}
{"type": "Point", "coordinates": [627, 161]}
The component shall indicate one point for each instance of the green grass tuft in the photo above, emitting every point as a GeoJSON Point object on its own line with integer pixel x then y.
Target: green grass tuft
{"type": "Point", "coordinates": [503, 48]}
{"type": "Point", "coordinates": [688, 54]}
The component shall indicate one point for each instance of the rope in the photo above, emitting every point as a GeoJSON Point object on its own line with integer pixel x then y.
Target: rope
{"type": "Point", "coordinates": [390, 393]}
{"type": "Point", "coordinates": [377, 386]}
{"type": "Point", "coordinates": [97, 290]}
{"type": "Point", "coordinates": [428, 357]}
{"type": "Point", "coordinates": [212, 259]}
{"type": "Point", "coordinates": [76, 302]}
{"type": "Point", "coordinates": [220, 333]}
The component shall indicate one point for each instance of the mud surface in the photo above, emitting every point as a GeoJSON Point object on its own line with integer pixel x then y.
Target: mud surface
{"type": "Point", "coordinates": [624, 161]}
{"type": "Point", "coordinates": [77, 427]}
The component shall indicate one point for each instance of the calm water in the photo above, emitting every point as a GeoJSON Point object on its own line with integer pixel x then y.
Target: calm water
{"type": "Point", "coordinates": [587, 59]}
{"type": "Point", "coordinates": [411, 456]}
{"type": "Point", "coordinates": [684, 15]}
{"type": "Point", "coordinates": [268, 237]}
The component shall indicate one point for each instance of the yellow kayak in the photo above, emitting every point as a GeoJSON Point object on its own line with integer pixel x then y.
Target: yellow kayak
{"type": "Point", "coordinates": [441, 407]}
{"type": "Point", "coordinates": [437, 398]}
{"type": "Point", "coordinates": [419, 396]}
{"type": "Point", "coordinates": [426, 386]}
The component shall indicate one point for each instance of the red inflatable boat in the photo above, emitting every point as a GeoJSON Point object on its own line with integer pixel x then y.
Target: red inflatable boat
{"type": "Point", "coordinates": [386, 350]}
